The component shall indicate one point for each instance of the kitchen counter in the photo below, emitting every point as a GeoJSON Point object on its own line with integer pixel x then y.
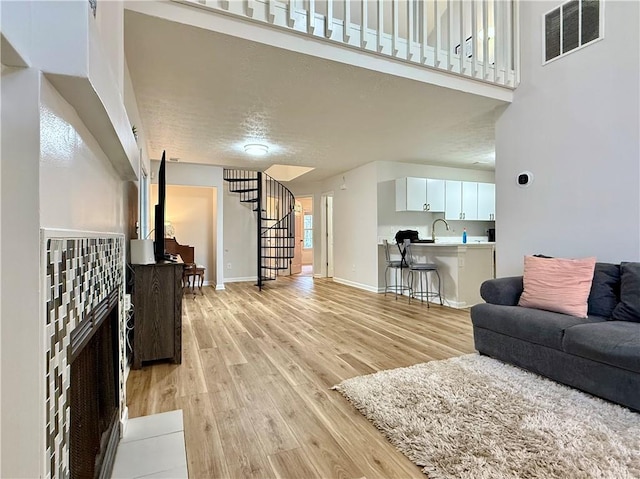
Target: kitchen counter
{"type": "Point", "coordinates": [477, 244]}
{"type": "Point", "coordinates": [463, 267]}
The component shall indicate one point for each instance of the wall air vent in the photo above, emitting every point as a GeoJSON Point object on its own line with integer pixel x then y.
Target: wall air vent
{"type": "Point", "coordinates": [571, 26]}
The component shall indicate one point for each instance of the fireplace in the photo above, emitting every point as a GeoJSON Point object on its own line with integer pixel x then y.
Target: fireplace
{"type": "Point", "coordinates": [93, 392]}
{"type": "Point", "coordinates": [84, 352]}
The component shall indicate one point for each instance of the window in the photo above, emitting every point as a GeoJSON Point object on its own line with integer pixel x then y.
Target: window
{"type": "Point", "coordinates": [570, 26]}
{"type": "Point", "coordinates": [308, 232]}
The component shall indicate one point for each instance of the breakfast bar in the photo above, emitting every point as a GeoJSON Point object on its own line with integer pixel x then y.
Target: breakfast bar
{"type": "Point", "coordinates": [462, 268]}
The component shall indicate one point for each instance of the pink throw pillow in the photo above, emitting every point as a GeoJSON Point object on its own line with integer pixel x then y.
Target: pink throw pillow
{"type": "Point", "coordinates": [556, 284]}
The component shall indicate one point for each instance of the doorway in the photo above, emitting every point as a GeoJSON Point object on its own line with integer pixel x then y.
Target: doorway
{"type": "Point", "coordinates": [326, 252]}
{"type": "Point", "coordinates": [303, 254]}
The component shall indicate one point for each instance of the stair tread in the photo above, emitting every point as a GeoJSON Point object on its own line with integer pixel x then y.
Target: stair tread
{"type": "Point", "coordinates": [250, 200]}
{"type": "Point", "coordinates": [236, 180]}
{"type": "Point", "coordinates": [243, 190]}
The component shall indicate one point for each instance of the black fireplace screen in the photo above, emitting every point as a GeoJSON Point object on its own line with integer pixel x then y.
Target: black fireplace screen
{"type": "Point", "coordinates": [93, 393]}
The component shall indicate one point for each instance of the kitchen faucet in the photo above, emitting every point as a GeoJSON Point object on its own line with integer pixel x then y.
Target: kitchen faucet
{"type": "Point", "coordinates": [433, 227]}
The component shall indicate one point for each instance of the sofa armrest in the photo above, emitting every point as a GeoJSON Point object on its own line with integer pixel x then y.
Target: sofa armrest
{"type": "Point", "coordinates": [503, 291]}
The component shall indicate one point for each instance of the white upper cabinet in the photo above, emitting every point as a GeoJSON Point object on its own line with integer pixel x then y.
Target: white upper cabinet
{"type": "Point", "coordinates": [435, 195]}
{"type": "Point", "coordinates": [469, 200]}
{"type": "Point", "coordinates": [460, 200]}
{"type": "Point", "coordinates": [419, 194]}
{"type": "Point", "coordinates": [453, 200]}
{"type": "Point", "coordinates": [486, 201]}
{"type": "Point", "coordinates": [411, 194]}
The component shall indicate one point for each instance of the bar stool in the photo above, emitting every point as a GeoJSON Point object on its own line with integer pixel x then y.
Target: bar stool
{"type": "Point", "coordinates": [397, 266]}
{"type": "Point", "coordinates": [422, 269]}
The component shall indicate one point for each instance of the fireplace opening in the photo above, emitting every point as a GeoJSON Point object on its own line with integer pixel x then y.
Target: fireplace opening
{"type": "Point", "coordinates": [94, 392]}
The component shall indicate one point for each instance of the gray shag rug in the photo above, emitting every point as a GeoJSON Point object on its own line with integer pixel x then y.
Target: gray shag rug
{"type": "Point", "coordinates": [475, 417]}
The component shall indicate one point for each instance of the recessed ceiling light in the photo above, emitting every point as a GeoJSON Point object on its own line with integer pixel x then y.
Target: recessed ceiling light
{"type": "Point", "coordinates": [256, 149]}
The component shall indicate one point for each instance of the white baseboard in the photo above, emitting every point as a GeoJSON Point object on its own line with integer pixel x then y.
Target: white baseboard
{"type": "Point", "coordinates": [219, 287]}
{"type": "Point", "coordinates": [241, 279]}
{"type": "Point", "coordinates": [318, 275]}
{"type": "Point", "coordinates": [346, 282]}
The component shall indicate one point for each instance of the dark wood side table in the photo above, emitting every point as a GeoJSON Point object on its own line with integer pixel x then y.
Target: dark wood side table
{"type": "Point", "coordinates": [157, 301]}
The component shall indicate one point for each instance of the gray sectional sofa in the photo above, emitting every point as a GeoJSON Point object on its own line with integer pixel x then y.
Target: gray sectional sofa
{"type": "Point", "coordinates": [599, 354]}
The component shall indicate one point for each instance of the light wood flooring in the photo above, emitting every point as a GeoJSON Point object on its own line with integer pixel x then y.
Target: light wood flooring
{"type": "Point", "coordinates": [257, 367]}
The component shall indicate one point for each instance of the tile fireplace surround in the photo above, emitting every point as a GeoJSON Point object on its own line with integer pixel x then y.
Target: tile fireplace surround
{"type": "Point", "coordinates": [79, 270]}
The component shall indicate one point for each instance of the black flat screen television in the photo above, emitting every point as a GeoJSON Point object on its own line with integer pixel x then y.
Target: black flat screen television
{"type": "Point", "coordinates": [158, 244]}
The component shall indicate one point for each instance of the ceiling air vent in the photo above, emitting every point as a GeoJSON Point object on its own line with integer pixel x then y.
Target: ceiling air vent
{"type": "Point", "coordinates": [571, 26]}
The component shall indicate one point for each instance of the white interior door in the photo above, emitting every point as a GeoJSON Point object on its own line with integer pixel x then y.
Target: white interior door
{"type": "Point", "coordinates": [296, 262]}
{"type": "Point", "coordinates": [329, 217]}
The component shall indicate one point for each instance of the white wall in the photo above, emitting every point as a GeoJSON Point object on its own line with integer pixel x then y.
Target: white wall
{"type": "Point", "coordinates": [187, 174]}
{"type": "Point", "coordinates": [575, 124]}
{"type": "Point", "coordinates": [79, 188]}
{"type": "Point", "coordinates": [355, 227]}
{"type": "Point", "coordinates": [133, 113]}
{"type": "Point", "coordinates": [21, 365]}
{"type": "Point", "coordinates": [240, 238]}
{"type": "Point", "coordinates": [110, 27]}
{"type": "Point", "coordinates": [190, 209]}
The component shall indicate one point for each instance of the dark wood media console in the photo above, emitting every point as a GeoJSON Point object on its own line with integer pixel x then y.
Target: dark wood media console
{"type": "Point", "coordinates": [157, 301]}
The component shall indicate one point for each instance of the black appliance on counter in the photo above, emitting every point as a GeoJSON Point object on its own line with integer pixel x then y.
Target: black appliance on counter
{"type": "Point", "coordinates": [491, 235]}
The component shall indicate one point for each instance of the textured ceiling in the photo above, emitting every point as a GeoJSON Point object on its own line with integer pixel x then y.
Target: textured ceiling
{"type": "Point", "coordinates": [203, 95]}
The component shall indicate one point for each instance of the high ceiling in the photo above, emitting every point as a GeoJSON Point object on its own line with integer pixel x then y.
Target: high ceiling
{"type": "Point", "coordinates": [203, 95]}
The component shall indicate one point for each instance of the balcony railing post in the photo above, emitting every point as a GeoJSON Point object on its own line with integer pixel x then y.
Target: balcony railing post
{"type": "Point", "coordinates": [346, 30]}
{"type": "Point", "coordinates": [410, 7]}
{"type": "Point", "coordinates": [328, 24]}
{"type": "Point", "coordinates": [380, 25]}
{"type": "Point", "coordinates": [425, 32]}
{"type": "Point", "coordinates": [291, 20]}
{"type": "Point", "coordinates": [449, 34]}
{"type": "Point", "coordinates": [311, 17]}
{"type": "Point", "coordinates": [485, 43]}
{"type": "Point", "coordinates": [462, 53]}
{"type": "Point", "coordinates": [474, 38]}
{"type": "Point", "coordinates": [493, 41]}
{"type": "Point", "coordinates": [363, 26]}
{"type": "Point", "coordinates": [394, 16]}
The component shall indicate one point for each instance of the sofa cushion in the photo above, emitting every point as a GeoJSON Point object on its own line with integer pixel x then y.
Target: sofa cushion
{"type": "Point", "coordinates": [557, 284]}
{"type": "Point", "coordinates": [616, 343]}
{"type": "Point", "coordinates": [628, 309]}
{"type": "Point", "coordinates": [534, 325]}
{"type": "Point", "coordinates": [605, 290]}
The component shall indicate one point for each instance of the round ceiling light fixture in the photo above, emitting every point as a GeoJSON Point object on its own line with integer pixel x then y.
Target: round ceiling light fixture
{"type": "Point", "coordinates": [256, 149]}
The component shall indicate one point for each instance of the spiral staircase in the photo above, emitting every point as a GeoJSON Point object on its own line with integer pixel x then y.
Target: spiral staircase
{"type": "Point", "coordinates": [274, 206]}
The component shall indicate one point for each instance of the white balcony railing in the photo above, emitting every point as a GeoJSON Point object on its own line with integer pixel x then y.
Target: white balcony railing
{"type": "Point", "coordinates": [472, 38]}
